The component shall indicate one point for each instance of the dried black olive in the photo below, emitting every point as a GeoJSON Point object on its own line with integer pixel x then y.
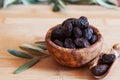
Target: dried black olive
{"type": "Point", "coordinates": [69, 43]}
{"type": "Point", "coordinates": [86, 43]}
{"type": "Point", "coordinates": [84, 22]}
{"type": "Point", "coordinates": [81, 42]}
{"type": "Point", "coordinates": [57, 34]}
{"type": "Point", "coordinates": [67, 29]}
{"type": "Point", "coordinates": [77, 23]}
{"type": "Point", "coordinates": [69, 20]}
{"type": "Point", "coordinates": [77, 33]}
{"type": "Point", "coordinates": [107, 59]}
{"type": "Point", "coordinates": [74, 33]}
{"type": "Point", "coordinates": [88, 33]}
{"type": "Point", "coordinates": [99, 69]}
{"type": "Point", "coordinates": [58, 42]}
{"type": "Point", "coordinates": [93, 39]}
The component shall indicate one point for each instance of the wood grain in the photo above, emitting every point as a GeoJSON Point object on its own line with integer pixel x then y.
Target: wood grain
{"type": "Point", "coordinates": [27, 24]}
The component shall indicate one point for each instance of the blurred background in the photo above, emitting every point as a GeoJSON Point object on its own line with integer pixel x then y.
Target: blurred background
{"type": "Point", "coordinates": [58, 4]}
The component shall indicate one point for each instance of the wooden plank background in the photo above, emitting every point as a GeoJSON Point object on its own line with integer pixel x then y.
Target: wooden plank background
{"type": "Point", "coordinates": [27, 24]}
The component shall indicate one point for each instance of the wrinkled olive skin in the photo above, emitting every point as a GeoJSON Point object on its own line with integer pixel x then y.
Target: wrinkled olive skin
{"type": "Point", "coordinates": [99, 69]}
{"type": "Point", "coordinates": [74, 33]}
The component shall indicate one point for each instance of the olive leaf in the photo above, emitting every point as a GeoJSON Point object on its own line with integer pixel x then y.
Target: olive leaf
{"type": "Point", "coordinates": [104, 4]}
{"type": "Point", "coordinates": [19, 54]}
{"type": "Point", "coordinates": [56, 7]}
{"type": "Point", "coordinates": [9, 2]}
{"type": "Point", "coordinates": [35, 48]}
{"type": "Point", "coordinates": [41, 46]}
{"type": "Point", "coordinates": [27, 65]}
{"type": "Point", "coordinates": [1, 3]}
{"type": "Point", "coordinates": [61, 3]}
{"type": "Point", "coordinates": [28, 2]}
{"type": "Point", "coordinates": [79, 1]}
{"type": "Point", "coordinates": [112, 2]}
{"type": "Point", "coordinates": [40, 42]}
{"type": "Point", "coordinates": [71, 1]}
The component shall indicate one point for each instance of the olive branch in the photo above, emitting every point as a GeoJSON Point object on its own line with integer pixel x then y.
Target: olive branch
{"type": "Point", "coordinates": [38, 51]}
{"type": "Point", "coordinates": [61, 4]}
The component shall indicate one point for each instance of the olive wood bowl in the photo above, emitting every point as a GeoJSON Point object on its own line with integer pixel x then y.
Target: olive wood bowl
{"type": "Point", "coordinates": [74, 57]}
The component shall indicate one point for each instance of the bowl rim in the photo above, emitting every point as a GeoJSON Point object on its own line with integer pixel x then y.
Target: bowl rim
{"type": "Point", "coordinates": [48, 39]}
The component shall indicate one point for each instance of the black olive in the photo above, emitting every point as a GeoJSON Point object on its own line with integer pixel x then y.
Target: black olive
{"type": "Point", "coordinates": [81, 42]}
{"type": "Point", "coordinates": [84, 22]}
{"type": "Point", "coordinates": [58, 42]}
{"type": "Point", "coordinates": [69, 20]}
{"type": "Point", "coordinates": [69, 43]}
{"type": "Point", "coordinates": [57, 34]}
{"type": "Point", "coordinates": [77, 33]}
{"type": "Point", "coordinates": [107, 59]}
{"type": "Point", "coordinates": [99, 69]}
{"type": "Point", "coordinates": [88, 33]}
{"type": "Point", "coordinates": [93, 39]}
{"type": "Point", "coordinates": [67, 29]}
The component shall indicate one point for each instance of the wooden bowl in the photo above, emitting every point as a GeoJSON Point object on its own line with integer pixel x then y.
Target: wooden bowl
{"type": "Point", "coordinates": [74, 57]}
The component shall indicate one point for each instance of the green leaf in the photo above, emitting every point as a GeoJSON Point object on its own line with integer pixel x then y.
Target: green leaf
{"type": "Point", "coordinates": [28, 2]}
{"type": "Point", "coordinates": [41, 46]}
{"type": "Point", "coordinates": [27, 65]}
{"type": "Point", "coordinates": [104, 4]}
{"type": "Point", "coordinates": [112, 2]}
{"type": "Point", "coordinates": [56, 8]}
{"type": "Point", "coordinates": [61, 3]}
{"type": "Point", "coordinates": [35, 48]}
{"type": "Point", "coordinates": [9, 2]}
{"type": "Point", "coordinates": [19, 54]}
{"type": "Point", "coordinates": [40, 42]}
{"type": "Point", "coordinates": [1, 3]}
{"type": "Point", "coordinates": [72, 1]}
{"type": "Point", "coordinates": [93, 2]}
